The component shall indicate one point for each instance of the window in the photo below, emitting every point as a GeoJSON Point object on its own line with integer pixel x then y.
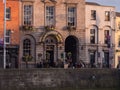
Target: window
{"type": "Point", "coordinates": [106, 37]}
{"type": "Point", "coordinates": [50, 15]}
{"type": "Point", "coordinates": [7, 37]}
{"type": "Point", "coordinates": [92, 35]}
{"type": "Point", "coordinates": [28, 14]}
{"type": "Point", "coordinates": [26, 47]}
{"type": "Point", "coordinates": [107, 16]}
{"type": "Point", "coordinates": [119, 41]}
{"type": "Point", "coordinates": [93, 15]}
{"type": "Point", "coordinates": [119, 25]}
{"type": "Point", "coordinates": [118, 59]}
{"type": "Point", "coordinates": [8, 13]}
{"type": "Point", "coordinates": [92, 59]}
{"type": "Point", "coordinates": [106, 60]}
{"type": "Point", "coordinates": [71, 16]}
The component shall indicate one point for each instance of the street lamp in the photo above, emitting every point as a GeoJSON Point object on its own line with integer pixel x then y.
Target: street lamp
{"type": "Point", "coordinates": [4, 46]}
{"type": "Point", "coordinates": [112, 15]}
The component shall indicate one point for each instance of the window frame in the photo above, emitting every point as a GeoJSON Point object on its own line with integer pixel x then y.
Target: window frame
{"type": "Point", "coordinates": [50, 13]}
{"type": "Point", "coordinates": [28, 14]}
{"type": "Point", "coordinates": [118, 25]}
{"type": "Point", "coordinates": [71, 19]}
{"type": "Point", "coordinates": [93, 14]}
{"type": "Point", "coordinates": [107, 15]}
{"type": "Point", "coordinates": [8, 13]}
{"type": "Point", "coordinates": [92, 35]}
{"type": "Point", "coordinates": [8, 37]}
{"type": "Point", "coordinates": [119, 41]}
{"type": "Point", "coordinates": [106, 36]}
{"type": "Point", "coordinates": [27, 47]}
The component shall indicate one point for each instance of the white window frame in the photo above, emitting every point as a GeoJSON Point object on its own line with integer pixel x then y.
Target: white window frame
{"type": "Point", "coordinates": [50, 15]}
{"type": "Point", "coordinates": [8, 13]}
{"type": "Point", "coordinates": [27, 14]}
{"type": "Point", "coordinates": [8, 37]}
{"type": "Point", "coordinates": [71, 16]}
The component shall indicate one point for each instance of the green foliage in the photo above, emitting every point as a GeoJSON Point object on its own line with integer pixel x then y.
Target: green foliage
{"type": "Point", "coordinates": [27, 58]}
{"type": "Point", "coordinates": [27, 27]}
{"type": "Point", "coordinates": [51, 27]}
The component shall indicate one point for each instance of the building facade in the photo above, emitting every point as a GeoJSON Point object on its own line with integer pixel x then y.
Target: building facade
{"type": "Point", "coordinates": [100, 35]}
{"type": "Point", "coordinates": [12, 33]}
{"type": "Point", "coordinates": [117, 39]}
{"type": "Point", "coordinates": [52, 31]}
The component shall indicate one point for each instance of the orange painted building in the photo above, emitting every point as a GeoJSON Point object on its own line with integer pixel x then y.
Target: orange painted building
{"type": "Point", "coordinates": [12, 23]}
{"type": "Point", "coordinates": [12, 31]}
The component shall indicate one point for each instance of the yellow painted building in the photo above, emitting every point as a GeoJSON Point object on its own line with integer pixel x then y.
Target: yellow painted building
{"type": "Point", "coordinates": [117, 39]}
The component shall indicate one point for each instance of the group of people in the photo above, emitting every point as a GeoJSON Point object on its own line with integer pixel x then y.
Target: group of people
{"type": "Point", "coordinates": [61, 64]}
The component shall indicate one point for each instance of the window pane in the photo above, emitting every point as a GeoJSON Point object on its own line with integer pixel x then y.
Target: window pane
{"type": "Point", "coordinates": [71, 16]}
{"type": "Point", "coordinates": [106, 36]}
{"type": "Point", "coordinates": [28, 13]}
{"type": "Point", "coordinates": [26, 47]}
{"type": "Point", "coordinates": [107, 15]}
{"type": "Point", "coordinates": [92, 35]}
{"type": "Point", "coordinates": [50, 15]}
{"type": "Point", "coordinates": [8, 13]}
{"type": "Point", "coordinates": [93, 14]}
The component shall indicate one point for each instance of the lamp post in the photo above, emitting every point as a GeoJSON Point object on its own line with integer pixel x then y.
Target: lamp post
{"type": "Point", "coordinates": [4, 46]}
{"type": "Point", "coordinates": [111, 41]}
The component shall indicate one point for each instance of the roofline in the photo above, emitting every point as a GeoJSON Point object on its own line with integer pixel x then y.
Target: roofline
{"type": "Point", "coordinates": [97, 4]}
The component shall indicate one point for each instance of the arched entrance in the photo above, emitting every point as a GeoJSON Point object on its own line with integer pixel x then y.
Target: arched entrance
{"type": "Point", "coordinates": [51, 49]}
{"type": "Point", "coordinates": [71, 49]}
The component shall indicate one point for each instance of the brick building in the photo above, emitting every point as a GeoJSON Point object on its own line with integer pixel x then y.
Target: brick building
{"type": "Point", "coordinates": [12, 32]}
{"type": "Point", "coordinates": [50, 28]}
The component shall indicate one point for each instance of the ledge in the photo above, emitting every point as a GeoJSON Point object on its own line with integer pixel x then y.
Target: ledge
{"type": "Point", "coordinates": [27, 0]}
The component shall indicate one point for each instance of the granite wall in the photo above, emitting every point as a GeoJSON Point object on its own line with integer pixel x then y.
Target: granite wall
{"type": "Point", "coordinates": [38, 79]}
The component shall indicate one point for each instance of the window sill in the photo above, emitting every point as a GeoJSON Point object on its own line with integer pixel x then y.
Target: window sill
{"type": "Point", "coordinates": [93, 19]}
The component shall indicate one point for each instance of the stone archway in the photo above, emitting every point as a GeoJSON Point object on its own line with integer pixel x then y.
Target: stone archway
{"type": "Point", "coordinates": [50, 50]}
{"type": "Point", "coordinates": [71, 49]}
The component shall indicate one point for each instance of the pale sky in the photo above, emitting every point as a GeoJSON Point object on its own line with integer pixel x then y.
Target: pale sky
{"type": "Point", "coordinates": [115, 3]}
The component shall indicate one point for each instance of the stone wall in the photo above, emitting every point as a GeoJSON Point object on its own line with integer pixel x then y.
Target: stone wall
{"type": "Point", "coordinates": [45, 79]}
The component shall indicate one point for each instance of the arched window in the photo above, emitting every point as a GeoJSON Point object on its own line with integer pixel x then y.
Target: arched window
{"type": "Point", "coordinates": [26, 47]}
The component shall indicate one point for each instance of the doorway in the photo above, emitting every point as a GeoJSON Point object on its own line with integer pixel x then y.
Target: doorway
{"type": "Point", "coordinates": [50, 55]}
{"type": "Point", "coordinates": [71, 48]}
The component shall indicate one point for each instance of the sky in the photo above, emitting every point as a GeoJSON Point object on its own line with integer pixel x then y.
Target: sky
{"type": "Point", "coordinates": [115, 3]}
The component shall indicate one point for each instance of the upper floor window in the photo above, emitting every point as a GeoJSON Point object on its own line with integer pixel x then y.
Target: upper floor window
{"type": "Point", "coordinates": [92, 36]}
{"type": "Point", "coordinates": [50, 15]}
{"type": "Point", "coordinates": [26, 47]}
{"type": "Point", "coordinates": [106, 37]}
{"type": "Point", "coordinates": [93, 15]}
{"type": "Point", "coordinates": [107, 16]}
{"type": "Point", "coordinates": [71, 16]}
{"type": "Point", "coordinates": [119, 25]}
{"type": "Point", "coordinates": [8, 13]}
{"type": "Point", "coordinates": [28, 14]}
{"type": "Point", "coordinates": [7, 37]}
{"type": "Point", "coordinates": [119, 41]}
